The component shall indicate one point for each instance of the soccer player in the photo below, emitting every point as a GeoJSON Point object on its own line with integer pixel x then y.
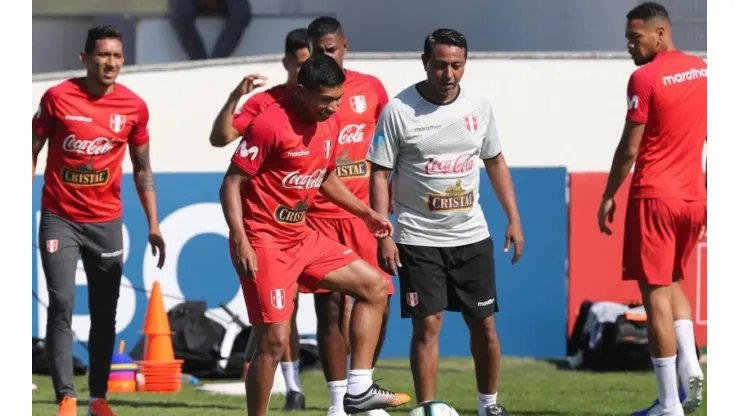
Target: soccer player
{"type": "Point", "coordinates": [88, 123]}
{"type": "Point", "coordinates": [432, 135]}
{"type": "Point", "coordinates": [664, 135]}
{"type": "Point", "coordinates": [364, 98]}
{"type": "Point", "coordinates": [286, 156]}
{"type": "Point", "coordinates": [228, 127]}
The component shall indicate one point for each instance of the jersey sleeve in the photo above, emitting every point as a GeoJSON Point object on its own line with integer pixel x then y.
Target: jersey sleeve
{"type": "Point", "coordinates": [254, 149]}
{"type": "Point", "coordinates": [382, 98]}
{"type": "Point", "coordinates": [140, 132]}
{"type": "Point", "coordinates": [385, 144]}
{"type": "Point", "coordinates": [639, 94]}
{"type": "Point", "coordinates": [43, 122]}
{"type": "Point", "coordinates": [491, 146]}
{"type": "Point", "coordinates": [249, 111]}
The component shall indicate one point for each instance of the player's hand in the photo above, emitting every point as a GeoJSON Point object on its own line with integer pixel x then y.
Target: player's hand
{"type": "Point", "coordinates": [606, 213]}
{"type": "Point", "coordinates": [158, 247]}
{"type": "Point", "coordinates": [388, 256]}
{"type": "Point", "coordinates": [248, 84]}
{"type": "Point", "coordinates": [379, 225]}
{"type": "Point", "coordinates": [245, 260]}
{"type": "Point", "coordinates": [515, 236]}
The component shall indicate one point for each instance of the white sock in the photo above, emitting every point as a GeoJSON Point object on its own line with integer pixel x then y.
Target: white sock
{"type": "Point", "coordinates": [688, 363]}
{"type": "Point", "coordinates": [485, 400]}
{"type": "Point", "coordinates": [291, 373]}
{"type": "Point", "coordinates": [337, 390]}
{"type": "Point", "coordinates": [665, 371]}
{"type": "Point", "coordinates": [359, 381]}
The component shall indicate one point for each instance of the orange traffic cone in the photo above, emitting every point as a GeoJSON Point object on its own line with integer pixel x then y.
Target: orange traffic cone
{"type": "Point", "coordinates": [160, 371]}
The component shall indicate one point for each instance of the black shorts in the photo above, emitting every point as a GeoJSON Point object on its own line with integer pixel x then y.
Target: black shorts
{"type": "Point", "coordinates": [457, 279]}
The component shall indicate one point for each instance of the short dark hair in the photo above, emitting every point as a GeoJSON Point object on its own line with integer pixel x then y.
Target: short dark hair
{"type": "Point", "coordinates": [296, 40]}
{"type": "Point", "coordinates": [450, 37]}
{"type": "Point", "coordinates": [648, 11]}
{"type": "Point", "coordinates": [322, 26]}
{"type": "Point", "coordinates": [97, 33]}
{"type": "Point", "coordinates": [320, 71]}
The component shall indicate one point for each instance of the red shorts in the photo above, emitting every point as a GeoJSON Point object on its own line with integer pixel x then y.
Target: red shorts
{"type": "Point", "coordinates": [352, 233]}
{"type": "Point", "coordinates": [659, 237]}
{"type": "Point", "coordinates": [270, 297]}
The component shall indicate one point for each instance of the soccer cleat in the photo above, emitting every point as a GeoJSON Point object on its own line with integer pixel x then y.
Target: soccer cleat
{"type": "Point", "coordinates": [496, 410]}
{"type": "Point", "coordinates": [294, 401]}
{"type": "Point", "coordinates": [693, 397]}
{"type": "Point", "coordinates": [99, 408]}
{"type": "Point", "coordinates": [67, 407]}
{"type": "Point", "coordinates": [374, 398]}
{"type": "Point", "coordinates": [336, 411]}
{"type": "Point", "coordinates": [376, 412]}
{"type": "Point", "coordinates": [657, 410]}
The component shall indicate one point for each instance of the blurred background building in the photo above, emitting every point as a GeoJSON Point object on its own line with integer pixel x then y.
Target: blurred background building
{"type": "Point", "coordinates": [59, 27]}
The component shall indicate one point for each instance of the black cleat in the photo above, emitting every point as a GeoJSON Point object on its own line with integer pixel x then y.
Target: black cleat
{"type": "Point", "coordinates": [374, 398]}
{"type": "Point", "coordinates": [294, 401]}
{"type": "Point", "coordinates": [496, 410]}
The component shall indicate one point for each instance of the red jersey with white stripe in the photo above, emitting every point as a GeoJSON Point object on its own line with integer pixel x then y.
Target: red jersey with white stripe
{"type": "Point", "coordinates": [87, 139]}
{"type": "Point", "coordinates": [288, 160]}
{"type": "Point", "coordinates": [257, 104]}
{"type": "Point", "coordinates": [669, 96]}
{"type": "Point", "coordinates": [364, 98]}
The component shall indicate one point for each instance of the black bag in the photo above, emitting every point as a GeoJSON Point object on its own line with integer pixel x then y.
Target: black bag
{"type": "Point", "coordinates": [40, 366]}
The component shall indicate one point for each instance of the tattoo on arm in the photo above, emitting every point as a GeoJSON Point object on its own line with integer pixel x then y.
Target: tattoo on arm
{"type": "Point", "coordinates": [143, 167]}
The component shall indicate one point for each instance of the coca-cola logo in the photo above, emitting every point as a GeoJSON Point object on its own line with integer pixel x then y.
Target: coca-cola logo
{"type": "Point", "coordinates": [95, 147]}
{"type": "Point", "coordinates": [352, 133]}
{"type": "Point", "coordinates": [460, 164]}
{"type": "Point", "coordinates": [296, 180]}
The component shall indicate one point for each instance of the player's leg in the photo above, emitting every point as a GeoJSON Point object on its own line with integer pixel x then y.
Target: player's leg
{"type": "Point", "coordinates": [270, 305]}
{"type": "Point", "coordinates": [690, 373]}
{"type": "Point", "coordinates": [423, 281]}
{"type": "Point", "coordinates": [102, 256]}
{"type": "Point", "coordinates": [474, 294]}
{"type": "Point", "coordinates": [60, 248]}
{"type": "Point", "coordinates": [649, 251]}
{"type": "Point", "coordinates": [338, 269]}
{"type": "Point", "coordinates": [290, 366]}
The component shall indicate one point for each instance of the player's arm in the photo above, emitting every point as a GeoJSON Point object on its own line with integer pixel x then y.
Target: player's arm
{"type": "Point", "coordinates": [231, 202]}
{"type": "Point", "coordinates": [42, 127]}
{"type": "Point", "coordinates": [36, 146]}
{"type": "Point", "coordinates": [337, 193]}
{"type": "Point", "coordinates": [382, 156]}
{"type": "Point", "coordinates": [224, 130]}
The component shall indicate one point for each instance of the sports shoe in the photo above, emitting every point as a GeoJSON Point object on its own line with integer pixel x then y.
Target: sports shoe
{"type": "Point", "coordinates": [99, 408]}
{"type": "Point", "coordinates": [374, 398]}
{"type": "Point", "coordinates": [67, 407]}
{"type": "Point", "coordinates": [496, 410]}
{"type": "Point", "coordinates": [376, 412]}
{"type": "Point", "coordinates": [336, 411]}
{"type": "Point", "coordinates": [656, 409]}
{"type": "Point", "coordinates": [294, 400]}
{"type": "Point", "coordinates": [693, 397]}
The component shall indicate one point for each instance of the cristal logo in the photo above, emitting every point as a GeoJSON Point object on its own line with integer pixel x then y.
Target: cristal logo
{"type": "Point", "coordinates": [460, 164]}
{"type": "Point", "coordinates": [95, 147]}
{"type": "Point", "coordinates": [297, 181]}
{"type": "Point", "coordinates": [352, 133]}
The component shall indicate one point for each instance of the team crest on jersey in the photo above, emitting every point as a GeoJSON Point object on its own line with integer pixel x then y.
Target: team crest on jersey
{"type": "Point", "coordinates": [277, 298]}
{"type": "Point", "coordinates": [471, 123]}
{"type": "Point", "coordinates": [117, 122]}
{"type": "Point", "coordinates": [327, 148]}
{"type": "Point", "coordinates": [412, 299]}
{"type": "Point", "coordinates": [358, 103]}
{"type": "Point", "coordinates": [52, 246]}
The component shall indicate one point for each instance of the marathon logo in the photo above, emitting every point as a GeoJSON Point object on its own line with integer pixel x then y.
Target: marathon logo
{"type": "Point", "coordinates": [287, 215]}
{"type": "Point", "coordinates": [455, 198]}
{"type": "Point", "coordinates": [347, 168]}
{"type": "Point", "coordinates": [85, 176]}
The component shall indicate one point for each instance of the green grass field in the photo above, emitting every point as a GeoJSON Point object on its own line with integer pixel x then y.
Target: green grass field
{"type": "Point", "coordinates": [528, 387]}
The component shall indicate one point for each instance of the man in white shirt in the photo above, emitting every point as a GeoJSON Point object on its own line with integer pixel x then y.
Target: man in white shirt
{"type": "Point", "coordinates": [431, 136]}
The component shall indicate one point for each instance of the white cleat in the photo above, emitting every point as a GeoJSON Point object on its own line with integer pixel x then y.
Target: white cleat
{"type": "Point", "coordinates": [694, 394]}
{"type": "Point", "coordinates": [336, 411]}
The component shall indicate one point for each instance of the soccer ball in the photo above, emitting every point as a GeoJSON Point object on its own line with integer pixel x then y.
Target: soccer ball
{"type": "Point", "coordinates": [433, 408]}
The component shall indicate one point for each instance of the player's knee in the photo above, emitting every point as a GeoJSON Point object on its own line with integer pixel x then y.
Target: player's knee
{"type": "Point", "coordinates": [274, 342]}
{"type": "Point", "coordinates": [427, 329]}
{"type": "Point", "coordinates": [378, 289]}
{"type": "Point", "coordinates": [61, 303]}
{"type": "Point", "coordinates": [488, 330]}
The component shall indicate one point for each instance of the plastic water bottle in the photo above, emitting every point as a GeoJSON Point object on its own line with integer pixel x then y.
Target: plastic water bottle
{"type": "Point", "coordinates": [188, 378]}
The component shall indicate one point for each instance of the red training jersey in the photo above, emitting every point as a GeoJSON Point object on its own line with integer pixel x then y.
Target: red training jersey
{"type": "Point", "coordinates": [87, 142]}
{"type": "Point", "coordinates": [288, 159]}
{"type": "Point", "coordinates": [669, 95]}
{"type": "Point", "coordinates": [364, 98]}
{"type": "Point", "coordinates": [257, 104]}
